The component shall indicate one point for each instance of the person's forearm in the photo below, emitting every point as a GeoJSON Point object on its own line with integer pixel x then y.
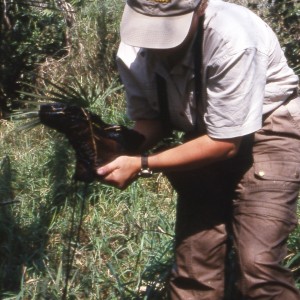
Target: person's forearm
{"type": "Point", "coordinates": [194, 154]}
{"type": "Point", "coordinates": [190, 155]}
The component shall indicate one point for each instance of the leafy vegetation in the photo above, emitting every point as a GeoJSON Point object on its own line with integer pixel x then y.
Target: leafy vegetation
{"type": "Point", "coordinates": [31, 31]}
{"type": "Point", "coordinates": [286, 14]}
{"type": "Point", "coordinates": [125, 245]}
{"type": "Point", "coordinates": [284, 17]}
{"type": "Point", "coordinates": [125, 239]}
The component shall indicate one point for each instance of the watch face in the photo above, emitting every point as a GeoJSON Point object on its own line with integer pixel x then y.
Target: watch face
{"type": "Point", "coordinates": [145, 173]}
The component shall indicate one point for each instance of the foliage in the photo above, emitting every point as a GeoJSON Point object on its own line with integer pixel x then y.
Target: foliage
{"type": "Point", "coordinates": [91, 60]}
{"type": "Point", "coordinates": [284, 17]}
{"type": "Point", "coordinates": [125, 242]}
{"type": "Point", "coordinates": [31, 31]}
{"type": "Point", "coordinates": [126, 239]}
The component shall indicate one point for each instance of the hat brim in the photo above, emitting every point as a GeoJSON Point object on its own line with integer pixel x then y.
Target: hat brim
{"type": "Point", "coordinates": [154, 32]}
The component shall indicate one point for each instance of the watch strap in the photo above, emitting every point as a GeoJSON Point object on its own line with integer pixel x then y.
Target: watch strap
{"type": "Point", "coordinates": [145, 170]}
{"type": "Point", "coordinates": [144, 161]}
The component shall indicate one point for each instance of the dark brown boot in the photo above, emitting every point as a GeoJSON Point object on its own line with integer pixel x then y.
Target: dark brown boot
{"type": "Point", "coordinates": [95, 142]}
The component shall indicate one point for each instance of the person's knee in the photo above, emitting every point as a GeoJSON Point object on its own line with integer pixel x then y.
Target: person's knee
{"type": "Point", "coordinates": [247, 262]}
{"type": "Point", "coordinates": [260, 266]}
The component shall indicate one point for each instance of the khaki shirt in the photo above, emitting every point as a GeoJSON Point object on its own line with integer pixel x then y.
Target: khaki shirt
{"type": "Point", "coordinates": [245, 75]}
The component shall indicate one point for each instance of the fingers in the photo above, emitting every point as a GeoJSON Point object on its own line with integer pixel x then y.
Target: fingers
{"type": "Point", "coordinates": [120, 172]}
{"type": "Point", "coordinates": [107, 174]}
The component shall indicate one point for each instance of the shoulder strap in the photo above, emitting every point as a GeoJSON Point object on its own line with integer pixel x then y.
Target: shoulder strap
{"type": "Point", "coordinates": [162, 85]}
{"type": "Point", "coordinates": [198, 59]}
{"type": "Point", "coordinates": [162, 94]}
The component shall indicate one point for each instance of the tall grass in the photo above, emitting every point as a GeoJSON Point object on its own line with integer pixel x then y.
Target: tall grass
{"type": "Point", "coordinates": [126, 239]}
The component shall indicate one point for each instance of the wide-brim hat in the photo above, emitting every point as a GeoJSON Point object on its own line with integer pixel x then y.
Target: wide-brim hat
{"type": "Point", "coordinates": [157, 24]}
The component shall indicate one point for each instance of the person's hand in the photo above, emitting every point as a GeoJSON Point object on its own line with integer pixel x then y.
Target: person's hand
{"type": "Point", "coordinates": [120, 172]}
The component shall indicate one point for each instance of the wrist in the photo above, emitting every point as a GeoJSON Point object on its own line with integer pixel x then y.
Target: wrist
{"type": "Point", "coordinates": [145, 171]}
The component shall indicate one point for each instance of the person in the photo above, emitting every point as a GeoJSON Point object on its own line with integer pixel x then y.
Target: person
{"type": "Point", "coordinates": [215, 71]}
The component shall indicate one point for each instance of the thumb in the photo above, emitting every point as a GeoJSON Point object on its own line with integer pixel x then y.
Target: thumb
{"type": "Point", "coordinates": [105, 170]}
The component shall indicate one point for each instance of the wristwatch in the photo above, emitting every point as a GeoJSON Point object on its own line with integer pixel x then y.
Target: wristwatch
{"type": "Point", "coordinates": [145, 171]}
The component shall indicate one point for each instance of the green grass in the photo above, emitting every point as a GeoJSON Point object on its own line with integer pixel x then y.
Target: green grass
{"type": "Point", "coordinates": [125, 245]}
{"type": "Point", "coordinates": [126, 239]}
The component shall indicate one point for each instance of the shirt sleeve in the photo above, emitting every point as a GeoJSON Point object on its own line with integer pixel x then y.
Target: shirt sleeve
{"type": "Point", "coordinates": [140, 87]}
{"type": "Point", "coordinates": [235, 94]}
